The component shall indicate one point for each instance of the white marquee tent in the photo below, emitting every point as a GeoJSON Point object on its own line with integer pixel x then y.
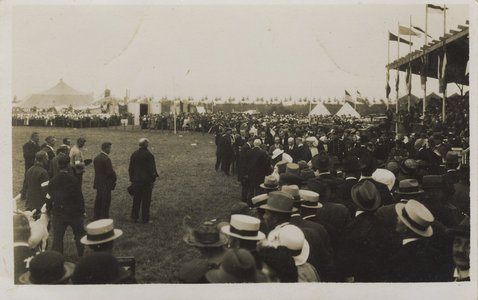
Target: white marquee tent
{"type": "Point", "coordinates": [319, 109]}
{"type": "Point", "coordinates": [346, 110]}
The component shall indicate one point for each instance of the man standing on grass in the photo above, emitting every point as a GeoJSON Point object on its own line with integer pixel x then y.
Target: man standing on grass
{"type": "Point", "coordinates": [30, 148]}
{"type": "Point", "coordinates": [77, 159]}
{"type": "Point", "coordinates": [105, 181]}
{"type": "Point", "coordinates": [142, 174]}
{"type": "Point", "coordinates": [35, 186]}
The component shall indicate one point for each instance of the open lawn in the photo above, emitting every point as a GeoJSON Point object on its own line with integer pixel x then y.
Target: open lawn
{"type": "Point", "coordinates": [187, 185]}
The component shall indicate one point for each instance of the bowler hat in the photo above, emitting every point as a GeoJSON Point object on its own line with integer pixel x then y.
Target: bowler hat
{"type": "Point", "coordinates": [280, 202]}
{"type": "Point", "coordinates": [416, 216]}
{"type": "Point", "coordinates": [408, 187]}
{"type": "Point", "coordinates": [101, 231]}
{"type": "Point", "coordinates": [392, 166]}
{"type": "Point", "coordinates": [237, 266]}
{"type": "Point", "coordinates": [99, 268]}
{"type": "Point", "coordinates": [352, 164]}
{"type": "Point", "coordinates": [244, 227]}
{"type": "Point", "coordinates": [204, 235]}
{"type": "Point", "coordinates": [48, 267]}
{"type": "Point", "coordinates": [302, 164]}
{"type": "Point", "coordinates": [365, 196]}
{"type": "Point", "coordinates": [451, 157]}
{"type": "Point", "coordinates": [409, 166]}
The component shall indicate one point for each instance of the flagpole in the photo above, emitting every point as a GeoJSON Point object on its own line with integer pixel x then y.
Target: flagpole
{"type": "Point", "coordinates": [409, 83]}
{"type": "Point", "coordinates": [397, 87]}
{"type": "Point", "coordinates": [444, 50]}
{"type": "Point", "coordinates": [426, 63]}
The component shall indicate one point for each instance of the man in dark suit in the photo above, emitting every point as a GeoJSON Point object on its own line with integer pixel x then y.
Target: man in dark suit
{"type": "Point", "coordinates": [277, 145]}
{"type": "Point", "coordinates": [50, 143]}
{"type": "Point", "coordinates": [257, 167]}
{"type": "Point", "coordinates": [241, 173]}
{"type": "Point", "coordinates": [35, 186]}
{"type": "Point", "coordinates": [370, 165]}
{"type": "Point", "coordinates": [67, 207]}
{"type": "Point", "coordinates": [290, 147]}
{"type": "Point", "coordinates": [105, 181]}
{"type": "Point", "coordinates": [21, 251]}
{"type": "Point", "coordinates": [302, 152]}
{"type": "Point", "coordinates": [142, 174]}
{"type": "Point", "coordinates": [54, 169]}
{"type": "Point", "coordinates": [227, 156]}
{"type": "Point", "coordinates": [336, 147]}
{"type": "Point", "coordinates": [218, 138]}
{"type": "Point", "coordinates": [352, 170]}
{"type": "Point", "coordinates": [461, 250]}
{"type": "Point", "coordinates": [30, 148]}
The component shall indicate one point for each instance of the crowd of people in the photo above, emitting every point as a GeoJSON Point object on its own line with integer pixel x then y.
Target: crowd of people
{"type": "Point", "coordinates": [330, 200]}
{"type": "Point", "coordinates": [53, 198]}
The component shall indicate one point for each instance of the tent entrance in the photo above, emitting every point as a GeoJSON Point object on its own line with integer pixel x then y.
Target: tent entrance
{"type": "Point", "coordinates": [143, 109]}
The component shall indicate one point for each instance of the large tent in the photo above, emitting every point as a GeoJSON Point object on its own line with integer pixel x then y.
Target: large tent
{"type": "Point", "coordinates": [347, 110]}
{"type": "Point", "coordinates": [319, 109]}
{"type": "Point", "coordinates": [60, 94]}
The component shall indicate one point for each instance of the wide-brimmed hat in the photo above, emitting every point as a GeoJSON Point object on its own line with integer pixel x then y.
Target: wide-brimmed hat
{"type": "Point", "coordinates": [204, 235]}
{"type": "Point", "coordinates": [451, 157]}
{"type": "Point", "coordinates": [237, 266]}
{"type": "Point", "coordinates": [280, 202]}
{"type": "Point", "coordinates": [289, 179]}
{"type": "Point", "coordinates": [392, 166]}
{"type": "Point", "coordinates": [322, 161]}
{"type": "Point", "coordinates": [320, 186]}
{"type": "Point", "coordinates": [369, 162]}
{"type": "Point", "coordinates": [270, 183]}
{"type": "Point", "coordinates": [101, 231]}
{"type": "Point", "coordinates": [384, 176]}
{"type": "Point", "coordinates": [292, 190]}
{"type": "Point", "coordinates": [259, 200]}
{"type": "Point", "coordinates": [276, 153]}
{"type": "Point", "coordinates": [48, 267]}
{"type": "Point", "coordinates": [305, 174]}
{"type": "Point", "coordinates": [293, 239]}
{"type": "Point", "coordinates": [351, 164]}
{"type": "Point", "coordinates": [463, 229]}
{"type": "Point", "coordinates": [281, 166]}
{"type": "Point", "coordinates": [99, 268]}
{"type": "Point", "coordinates": [432, 181]}
{"type": "Point", "coordinates": [416, 216]}
{"type": "Point", "coordinates": [365, 196]}
{"type": "Point", "coordinates": [244, 227]}
{"type": "Point", "coordinates": [292, 168]}
{"type": "Point", "coordinates": [310, 199]}
{"type": "Point", "coordinates": [408, 187]}
{"type": "Point", "coordinates": [409, 166]}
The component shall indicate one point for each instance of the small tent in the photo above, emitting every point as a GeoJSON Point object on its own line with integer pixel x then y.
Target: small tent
{"type": "Point", "coordinates": [319, 109]}
{"type": "Point", "coordinates": [60, 94]}
{"type": "Point", "coordinates": [347, 110]}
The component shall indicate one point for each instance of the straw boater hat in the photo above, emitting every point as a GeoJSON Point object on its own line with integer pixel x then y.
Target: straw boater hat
{"type": "Point", "coordinates": [276, 153]}
{"type": "Point", "coordinates": [281, 166]}
{"type": "Point", "coordinates": [270, 183]}
{"type": "Point", "coordinates": [244, 227]}
{"type": "Point", "coordinates": [204, 235]}
{"type": "Point", "coordinates": [365, 196]}
{"type": "Point", "coordinates": [48, 267]}
{"type": "Point", "coordinates": [416, 216]}
{"type": "Point", "coordinates": [259, 200]}
{"type": "Point", "coordinates": [293, 239]}
{"type": "Point", "coordinates": [408, 187]}
{"type": "Point", "coordinates": [310, 199]}
{"type": "Point", "coordinates": [101, 231]}
{"type": "Point", "coordinates": [280, 202]}
{"type": "Point", "coordinates": [238, 266]}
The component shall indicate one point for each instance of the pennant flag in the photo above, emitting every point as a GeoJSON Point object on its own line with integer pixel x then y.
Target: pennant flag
{"type": "Point", "coordinates": [421, 30]}
{"type": "Point", "coordinates": [423, 71]}
{"type": "Point", "coordinates": [360, 99]}
{"type": "Point", "coordinates": [397, 82]}
{"type": "Point", "coordinates": [409, 80]}
{"type": "Point", "coordinates": [348, 98]}
{"type": "Point", "coordinates": [406, 31]}
{"type": "Point", "coordinates": [387, 87]}
{"type": "Point", "coordinates": [441, 72]}
{"type": "Point", "coordinates": [435, 8]}
{"type": "Point", "coordinates": [467, 71]}
{"type": "Point", "coordinates": [393, 37]}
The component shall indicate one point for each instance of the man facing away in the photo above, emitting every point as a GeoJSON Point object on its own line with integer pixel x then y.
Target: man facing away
{"type": "Point", "coordinates": [142, 174]}
{"type": "Point", "coordinates": [105, 181]}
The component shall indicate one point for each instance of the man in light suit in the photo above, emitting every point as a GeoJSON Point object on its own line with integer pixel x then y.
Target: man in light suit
{"type": "Point", "coordinates": [105, 181]}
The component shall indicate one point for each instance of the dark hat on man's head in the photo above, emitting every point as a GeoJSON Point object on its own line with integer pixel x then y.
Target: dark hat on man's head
{"type": "Point", "coordinates": [451, 157]}
{"type": "Point", "coordinates": [409, 166]}
{"type": "Point", "coordinates": [63, 160]}
{"type": "Point", "coordinates": [290, 179]}
{"type": "Point", "coordinates": [203, 235]}
{"type": "Point", "coordinates": [280, 202]}
{"type": "Point", "coordinates": [366, 196]}
{"type": "Point", "coordinates": [369, 162]}
{"type": "Point", "coordinates": [99, 268]}
{"type": "Point", "coordinates": [463, 229]}
{"type": "Point", "coordinates": [322, 161]}
{"type": "Point", "coordinates": [351, 164]}
{"type": "Point", "coordinates": [48, 267]}
{"type": "Point", "coordinates": [432, 182]}
{"type": "Point", "coordinates": [320, 186]}
{"type": "Point", "coordinates": [408, 187]}
{"type": "Point", "coordinates": [392, 166]}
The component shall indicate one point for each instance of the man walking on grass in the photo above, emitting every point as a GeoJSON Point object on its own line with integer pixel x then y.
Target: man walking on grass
{"type": "Point", "coordinates": [142, 174]}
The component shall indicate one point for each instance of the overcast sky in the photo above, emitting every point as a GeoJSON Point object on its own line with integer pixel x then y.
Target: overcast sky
{"type": "Point", "coordinates": [217, 50]}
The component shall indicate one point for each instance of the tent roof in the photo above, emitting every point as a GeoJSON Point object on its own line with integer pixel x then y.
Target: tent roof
{"type": "Point", "coordinates": [60, 94]}
{"type": "Point", "coordinates": [319, 109]}
{"type": "Point", "coordinates": [347, 110]}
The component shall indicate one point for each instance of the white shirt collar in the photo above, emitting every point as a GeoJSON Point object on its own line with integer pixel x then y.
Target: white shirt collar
{"type": "Point", "coordinates": [295, 215]}
{"type": "Point", "coordinates": [324, 173]}
{"type": "Point", "coordinates": [349, 178]}
{"type": "Point", "coordinates": [104, 153]}
{"type": "Point", "coordinates": [366, 177]}
{"type": "Point", "coordinates": [359, 212]}
{"type": "Point", "coordinates": [460, 274]}
{"type": "Point", "coordinates": [16, 244]}
{"type": "Point", "coordinates": [308, 217]}
{"type": "Point", "coordinates": [406, 241]}
{"type": "Point", "coordinates": [50, 147]}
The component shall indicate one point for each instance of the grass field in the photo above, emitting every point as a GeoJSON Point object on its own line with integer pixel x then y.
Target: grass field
{"type": "Point", "coordinates": [187, 185]}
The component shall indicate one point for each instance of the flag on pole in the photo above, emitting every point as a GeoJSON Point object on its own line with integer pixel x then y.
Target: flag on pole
{"type": "Point", "coordinates": [441, 72]}
{"type": "Point", "coordinates": [387, 87]}
{"type": "Point", "coordinates": [421, 30]}
{"type": "Point", "coordinates": [348, 98]}
{"type": "Point", "coordinates": [423, 71]}
{"type": "Point", "coordinates": [393, 37]}
{"type": "Point", "coordinates": [409, 80]}
{"type": "Point", "coordinates": [436, 9]}
{"type": "Point", "coordinates": [360, 99]}
{"type": "Point", "coordinates": [406, 31]}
